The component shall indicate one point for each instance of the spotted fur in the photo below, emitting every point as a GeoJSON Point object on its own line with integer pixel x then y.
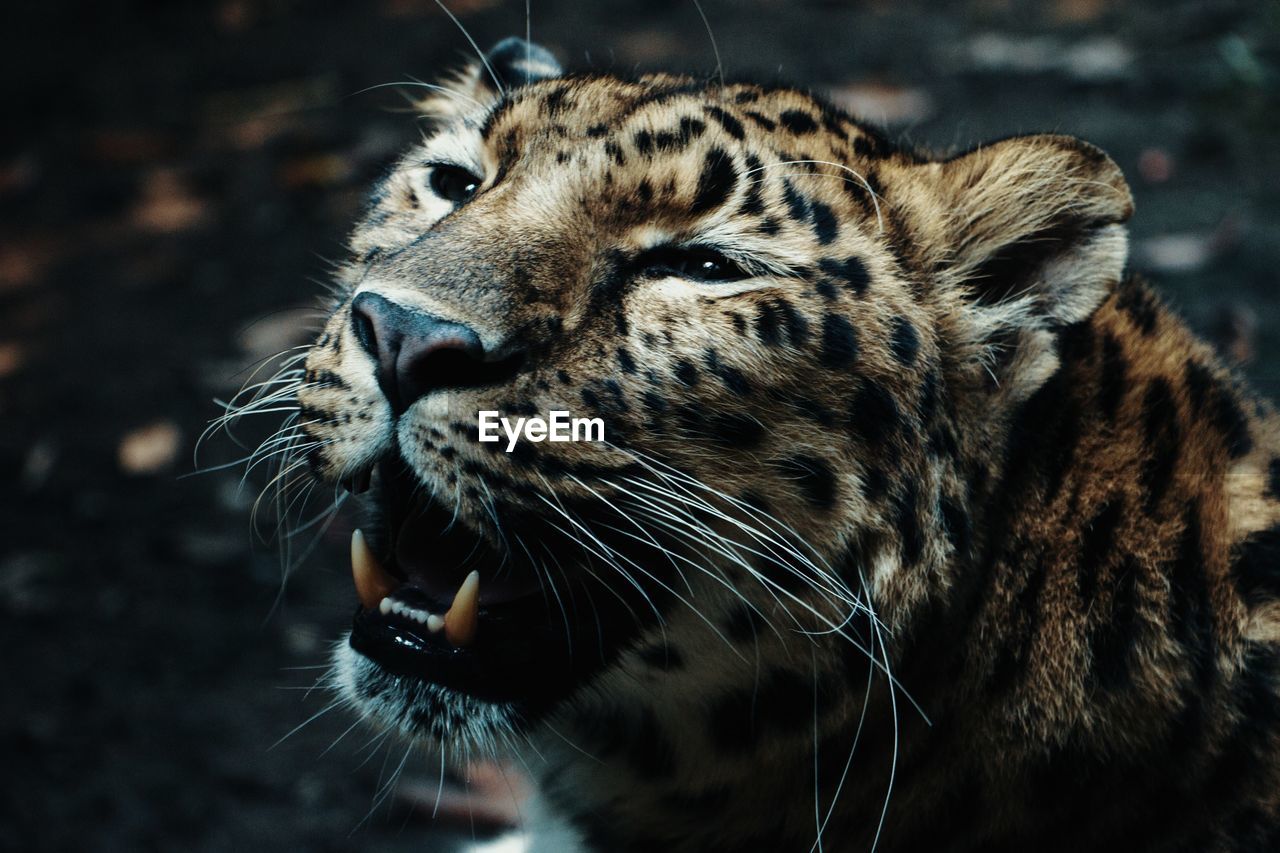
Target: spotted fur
{"type": "Point", "coordinates": [978, 548]}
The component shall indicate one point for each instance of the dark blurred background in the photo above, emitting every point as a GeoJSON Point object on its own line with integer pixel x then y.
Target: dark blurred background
{"type": "Point", "coordinates": [174, 181]}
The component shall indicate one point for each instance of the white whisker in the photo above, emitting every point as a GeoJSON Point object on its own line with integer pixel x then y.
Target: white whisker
{"type": "Point", "coordinates": [712, 38]}
{"type": "Point", "coordinates": [484, 60]}
{"type": "Point", "coordinates": [861, 179]}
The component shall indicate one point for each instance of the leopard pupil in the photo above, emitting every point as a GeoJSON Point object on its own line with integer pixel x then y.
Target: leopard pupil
{"type": "Point", "coordinates": [453, 184]}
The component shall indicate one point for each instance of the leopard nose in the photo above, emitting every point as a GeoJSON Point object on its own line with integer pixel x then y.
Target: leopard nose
{"type": "Point", "coordinates": [415, 352]}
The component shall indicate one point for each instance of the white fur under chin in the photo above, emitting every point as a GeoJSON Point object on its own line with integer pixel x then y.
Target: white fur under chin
{"type": "Point", "coordinates": [469, 727]}
{"type": "Point", "coordinates": [483, 729]}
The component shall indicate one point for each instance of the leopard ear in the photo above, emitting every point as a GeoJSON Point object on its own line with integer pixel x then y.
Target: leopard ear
{"type": "Point", "coordinates": [516, 62]}
{"type": "Point", "coordinates": [509, 64]}
{"type": "Point", "coordinates": [1034, 223]}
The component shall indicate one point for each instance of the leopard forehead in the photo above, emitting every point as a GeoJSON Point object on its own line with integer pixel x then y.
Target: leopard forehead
{"type": "Point", "coordinates": [773, 170]}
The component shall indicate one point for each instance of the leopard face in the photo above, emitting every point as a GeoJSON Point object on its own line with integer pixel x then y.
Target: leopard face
{"type": "Point", "coordinates": [782, 321]}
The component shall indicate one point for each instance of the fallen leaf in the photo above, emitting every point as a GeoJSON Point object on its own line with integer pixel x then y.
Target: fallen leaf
{"type": "Point", "coordinates": [234, 15]}
{"type": "Point", "coordinates": [19, 174]}
{"type": "Point", "coordinates": [22, 264]}
{"type": "Point", "coordinates": [1187, 251]}
{"type": "Point", "coordinates": [883, 102]}
{"type": "Point", "coordinates": [1078, 11]}
{"type": "Point", "coordinates": [1098, 59]}
{"type": "Point", "coordinates": [320, 170]}
{"type": "Point", "coordinates": [129, 145]}
{"type": "Point", "coordinates": [648, 46]}
{"type": "Point", "coordinates": [277, 332]}
{"type": "Point", "coordinates": [249, 118]}
{"type": "Point", "coordinates": [167, 205]}
{"type": "Point", "coordinates": [284, 96]}
{"type": "Point", "coordinates": [256, 132]}
{"type": "Point", "coordinates": [38, 464]}
{"type": "Point", "coordinates": [1174, 253]}
{"type": "Point", "coordinates": [1155, 165]}
{"type": "Point", "coordinates": [11, 358]}
{"type": "Point", "coordinates": [149, 449]}
{"type": "Point", "coordinates": [1000, 52]}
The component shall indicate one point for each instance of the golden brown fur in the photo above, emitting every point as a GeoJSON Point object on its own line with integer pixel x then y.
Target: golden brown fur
{"type": "Point", "coordinates": [1021, 584]}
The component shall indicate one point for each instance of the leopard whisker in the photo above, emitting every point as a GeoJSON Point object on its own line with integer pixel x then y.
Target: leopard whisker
{"type": "Point", "coordinates": [837, 585]}
{"type": "Point", "coordinates": [715, 49]}
{"type": "Point", "coordinates": [713, 575]}
{"type": "Point", "coordinates": [716, 543]}
{"type": "Point", "coordinates": [667, 587]}
{"type": "Point", "coordinates": [484, 60]}
{"type": "Point", "coordinates": [817, 788]}
{"type": "Point", "coordinates": [678, 513]}
{"type": "Point", "coordinates": [770, 586]}
{"type": "Point", "coordinates": [435, 808]}
{"type": "Point", "coordinates": [490, 506]}
{"type": "Point", "coordinates": [281, 453]}
{"type": "Point", "coordinates": [875, 199]}
{"type": "Point", "coordinates": [280, 485]}
{"type": "Point", "coordinates": [385, 789]}
{"type": "Point", "coordinates": [853, 748]}
{"type": "Point", "coordinates": [893, 767]}
{"type": "Point", "coordinates": [336, 703]}
{"type": "Point", "coordinates": [657, 515]}
{"type": "Point", "coordinates": [774, 540]}
{"type": "Point", "coordinates": [737, 546]}
{"type": "Point", "coordinates": [348, 730]}
{"type": "Point", "coordinates": [412, 83]}
{"type": "Point", "coordinates": [565, 577]}
{"type": "Point", "coordinates": [604, 553]}
{"type": "Point", "coordinates": [545, 581]}
{"type": "Point", "coordinates": [371, 746]}
{"type": "Point", "coordinates": [625, 516]}
{"type": "Point", "coordinates": [319, 518]}
{"type": "Point", "coordinates": [589, 570]}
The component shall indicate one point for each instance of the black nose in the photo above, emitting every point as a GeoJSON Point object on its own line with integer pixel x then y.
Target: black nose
{"type": "Point", "coordinates": [418, 353]}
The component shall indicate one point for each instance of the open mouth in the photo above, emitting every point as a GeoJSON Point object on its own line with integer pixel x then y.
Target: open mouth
{"type": "Point", "coordinates": [441, 604]}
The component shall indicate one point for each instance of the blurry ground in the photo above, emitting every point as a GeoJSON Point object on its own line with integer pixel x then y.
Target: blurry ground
{"type": "Point", "coordinates": [173, 177]}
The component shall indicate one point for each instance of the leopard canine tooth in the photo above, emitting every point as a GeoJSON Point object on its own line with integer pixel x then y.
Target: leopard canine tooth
{"type": "Point", "coordinates": [373, 582]}
{"type": "Point", "coordinates": [460, 621]}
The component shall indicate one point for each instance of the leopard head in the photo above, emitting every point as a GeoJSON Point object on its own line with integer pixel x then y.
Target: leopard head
{"type": "Point", "coordinates": [799, 340]}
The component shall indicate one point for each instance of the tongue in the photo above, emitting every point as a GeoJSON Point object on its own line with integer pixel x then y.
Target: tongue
{"type": "Point", "coordinates": [437, 564]}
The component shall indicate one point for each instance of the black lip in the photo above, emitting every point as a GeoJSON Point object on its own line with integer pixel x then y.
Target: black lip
{"type": "Point", "coordinates": [518, 655]}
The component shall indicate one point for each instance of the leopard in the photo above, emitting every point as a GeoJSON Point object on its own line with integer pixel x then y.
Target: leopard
{"type": "Point", "coordinates": [918, 520]}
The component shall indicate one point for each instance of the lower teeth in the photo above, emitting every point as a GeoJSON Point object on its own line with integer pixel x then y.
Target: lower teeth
{"type": "Point", "coordinates": [374, 583]}
{"type": "Point", "coordinates": [389, 606]}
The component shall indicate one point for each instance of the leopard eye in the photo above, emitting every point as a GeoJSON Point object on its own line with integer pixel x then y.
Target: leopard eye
{"type": "Point", "coordinates": [453, 183]}
{"type": "Point", "coordinates": [696, 263]}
